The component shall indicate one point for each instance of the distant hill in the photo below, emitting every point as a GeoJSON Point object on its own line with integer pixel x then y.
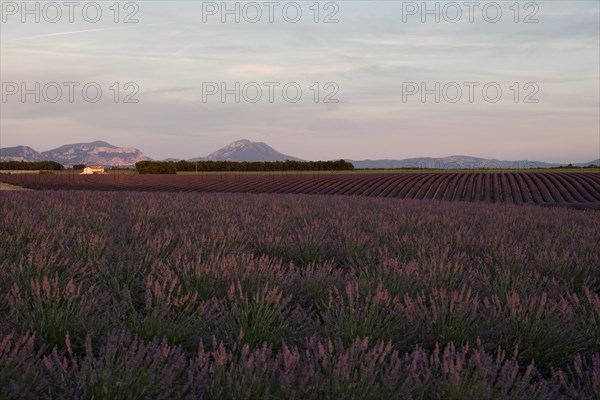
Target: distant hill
{"type": "Point", "coordinates": [106, 154]}
{"type": "Point", "coordinates": [594, 162]}
{"type": "Point", "coordinates": [20, 153]}
{"type": "Point", "coordinates": [458, 162]}
{"type": "Point", "coordinates": [245, 150]}
{"type": "Point", "coordinates": [94, 153]}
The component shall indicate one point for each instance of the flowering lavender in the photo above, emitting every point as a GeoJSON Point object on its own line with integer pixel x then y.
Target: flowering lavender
{"type": "Point", "coordinates": [183, 295]}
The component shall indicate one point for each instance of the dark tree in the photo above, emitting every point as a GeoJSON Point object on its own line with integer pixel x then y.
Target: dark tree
{"type": "Point", "coordinates": [156, 167]}
{"type": "Point", "coordinates": [31, 166]}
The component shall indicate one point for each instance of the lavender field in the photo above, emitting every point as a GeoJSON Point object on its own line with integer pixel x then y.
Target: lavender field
{"type": "Point", "coordinates": [237, 296]}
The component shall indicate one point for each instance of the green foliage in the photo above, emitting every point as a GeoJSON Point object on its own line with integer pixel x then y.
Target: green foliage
{"type": "Point", "coordinates": [254, 319]}
{"type": "Point", "coordinates": [348, 315]}
{"type": "Point", "coordinates": [256, 166]}
{"type": "Point", "coordinates": [156, 167]}
{"type": "Point", "coordinates": [50, 308]}
{"type": "Point", "coordinates": [171, 313]}
{"type": "Point", "coordinates": [30, 166]}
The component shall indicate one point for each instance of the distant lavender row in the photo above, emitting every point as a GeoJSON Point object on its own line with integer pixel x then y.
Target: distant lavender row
{"type": "Point", "coordinates": [288, 296]}
{"type": "Point", "coordinates": [575, 189]}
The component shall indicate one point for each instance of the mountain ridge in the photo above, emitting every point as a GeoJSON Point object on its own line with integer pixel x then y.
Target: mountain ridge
{"type": "Point", "coordinates": [460, 162]}
{"type": "Point", "coordinates": [103, 153]}
{"type": "Point", "coordinates": [19, 153]}
{"type": "Point", "coordinates": [246, 150]}
{"type": "Point", "coordinates": [92, 153]}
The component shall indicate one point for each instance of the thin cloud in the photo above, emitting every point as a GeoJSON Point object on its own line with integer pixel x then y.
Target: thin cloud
{"type": "Point", "coordinates": [45, 35]}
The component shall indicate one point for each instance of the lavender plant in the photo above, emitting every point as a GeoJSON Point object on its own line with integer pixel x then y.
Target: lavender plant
{"type": "Point", "coordinates": [182, 295]}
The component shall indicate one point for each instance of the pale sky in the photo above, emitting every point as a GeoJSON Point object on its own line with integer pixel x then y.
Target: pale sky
{"type": "Point", "coordinates": [374, 54]}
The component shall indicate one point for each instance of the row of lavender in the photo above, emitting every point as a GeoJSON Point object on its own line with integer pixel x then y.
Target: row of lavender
{"type": "Point", "coordinates": [574, 189]}
{"type": "Point", "coordinates": [131, 295]}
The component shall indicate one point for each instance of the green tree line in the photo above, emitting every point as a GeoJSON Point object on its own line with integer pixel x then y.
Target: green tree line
{"type": "Point", "coordinates": [170, 167]}
{"type": "Point", "coordinates": [30, 166]}
{"type": "Point", "coordinates": [156, 167]}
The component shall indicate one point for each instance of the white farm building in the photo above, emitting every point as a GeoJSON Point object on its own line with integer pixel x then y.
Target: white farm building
{"type": "Point", "coordinates": [92, 170]}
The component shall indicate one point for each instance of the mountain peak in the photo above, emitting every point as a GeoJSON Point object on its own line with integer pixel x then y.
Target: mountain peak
{"type": "Point", "coordinates": [19, 153]}
{"type": "Point", "coordinates": [84, 146]}
{"type": "Point", "coordinates": [238, 144]}
{"type": "Point", "coordinates": [97, 153]}
{"type": "Point", "coordinates": [242, 141]}
{"type": "Point", "coordinates": [100, 143]}
{"type": "Point", "coordinates": [247, 150]}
